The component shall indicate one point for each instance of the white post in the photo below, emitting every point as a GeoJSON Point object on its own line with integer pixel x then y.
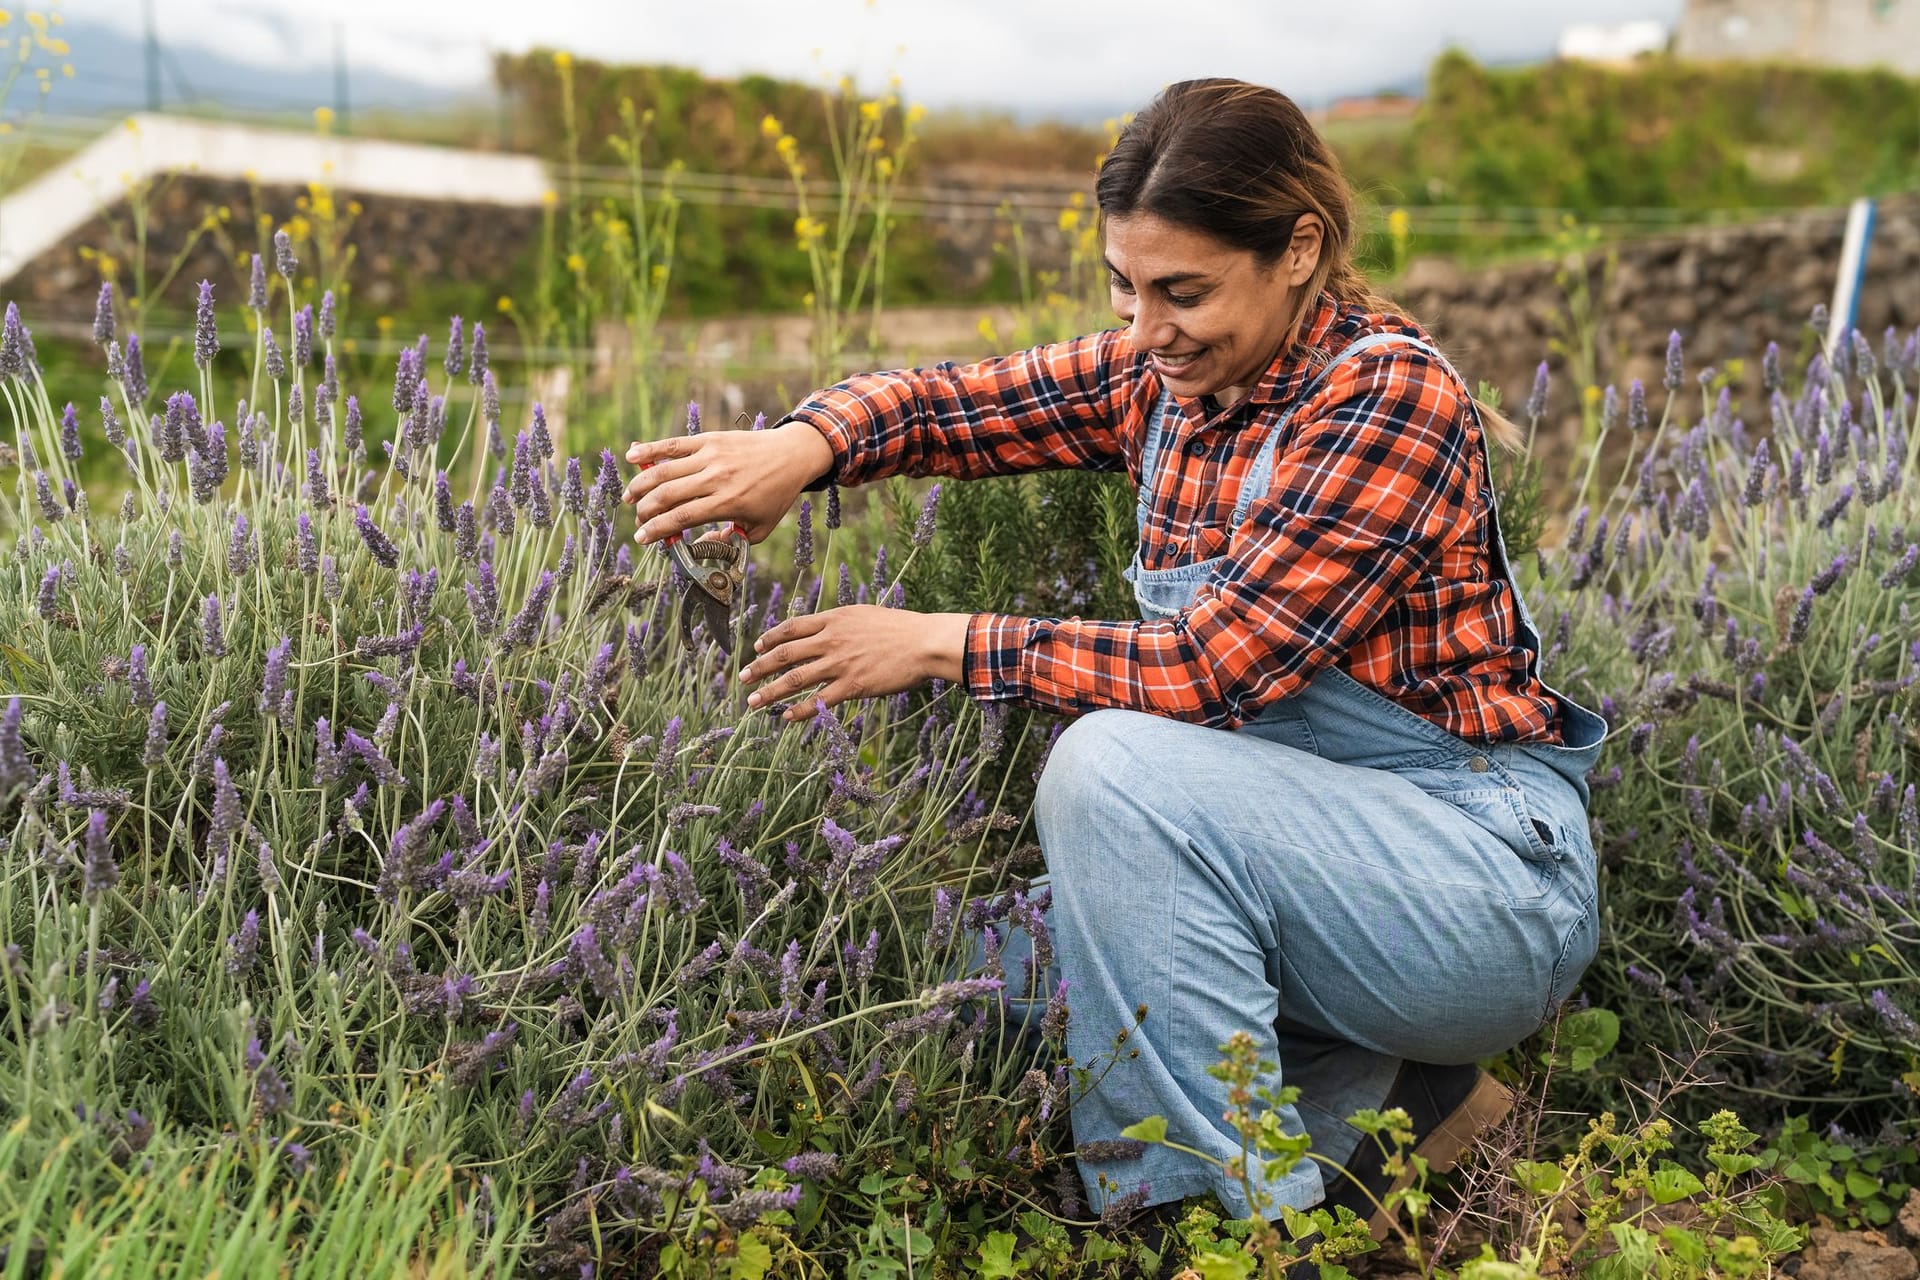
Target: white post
{"type": "Point", "coordinates": [1853, 269]}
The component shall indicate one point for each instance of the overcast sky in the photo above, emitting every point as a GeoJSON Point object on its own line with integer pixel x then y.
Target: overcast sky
{"type": "Point", "coordinates": [1029, 56]}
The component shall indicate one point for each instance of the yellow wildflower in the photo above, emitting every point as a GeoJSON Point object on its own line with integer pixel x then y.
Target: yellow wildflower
{"type": "Point", "coordinates": [6, 16]}
{"type": "Point", "coordinates": [323, 118]}
{"type": "Point", "coordinates": [916, 113]}
{"type": "Point", "coordinates": [562, 61]}
{"type": "Point", "coordinates": [870, 112]}
{"type": "Point", "coordinates": [1069, 219]}
{"type": "Point", "coordinates": [988, 333]}
{"type": "Point", "coordinates": [576, 263]}
{"type": "Point", "coordinates": [1399, 224]}
{"type": "Point", "coordinates": [884, 167]}
{"type": "Point", "coordinates": [770, 126]}
{"type": "Point", "coordinates": [505, 305]}
{"type": "Point", "coordinates": [549, 197]}
{"type": "Point", "coordinates": [384, 324]}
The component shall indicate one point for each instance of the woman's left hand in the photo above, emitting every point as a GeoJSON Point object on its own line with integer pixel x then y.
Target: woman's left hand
{"type": "Point", "coordinates": [855, 651]}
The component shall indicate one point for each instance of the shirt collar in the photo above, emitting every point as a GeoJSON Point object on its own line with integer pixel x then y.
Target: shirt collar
{"type": "Point", "coordinates": [1303, 359]}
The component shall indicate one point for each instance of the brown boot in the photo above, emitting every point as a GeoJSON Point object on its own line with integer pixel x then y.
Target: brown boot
{"type": "Point", "coordinates": [1448, 1106]}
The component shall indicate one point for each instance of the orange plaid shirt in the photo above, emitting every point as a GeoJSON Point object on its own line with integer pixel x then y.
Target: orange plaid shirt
{"type": "Point", "coordinates": [1372, 548]}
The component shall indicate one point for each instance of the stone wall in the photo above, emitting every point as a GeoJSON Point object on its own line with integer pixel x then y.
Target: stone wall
{"type": "Point", "coordinates": [1728, 290]}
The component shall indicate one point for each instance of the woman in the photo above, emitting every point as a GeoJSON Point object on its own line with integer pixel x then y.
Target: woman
{"type": "Point", "coordinates": [1318, 790]}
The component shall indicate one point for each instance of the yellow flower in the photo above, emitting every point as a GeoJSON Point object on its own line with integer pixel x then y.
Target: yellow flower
{"type": "Point", "coordinates": [6, 16]}
{"type": "Point", "coordinates": [870, 112]}
{"type": "Point", "coordinates": [562, 61]}
{"type": "Point", "coordinates": [505, 305]}
{"type": "Point", "coordinates": [37, 21]}
{"type": "Point", "coordinates": [916, 113]}
{"type": "Point", "coordinates": [769, 126]}
{"type": "Point", "coordinates": [5, 128]}
{"type": "Point", "coordinates": [384, 324]}
{"type": "Point", "coordinates": [1592, 394]}
{"type": "Point", "coordinates": [323, 118]}
{"type": "Point", "coordinates": [659, 273]}
{"type": "Point", "coordinates": [876, 143]}
{"type": "Point", "coordinates": [988, 333]}
{"type": "Point", "coordinates": [299, 228]}
{"type": "Point", "coordinates": [788, 147]}
{"type": "Point", "coordinates": [576, 263]}
{"type": "Point", "coordinates": [1399, 224]}
{"type": "Point", "coordinates": [549, 197]}
{"type": "Point", "coordinates": [1069, 219]}
{"type": "Point", "coordinates": [884, 167]}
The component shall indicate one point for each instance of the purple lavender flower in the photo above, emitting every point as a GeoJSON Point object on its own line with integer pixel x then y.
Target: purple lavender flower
{"type": "Point", "coordinates": [213, 636]}
{"type": "Point", "coordinates": [1537, 398]}
{"type": "Point", "coordinates": [226, 815]}
{"type": "Point", "coordinates": [249, 446]}
{"type": "Point", "coordinates": [529, 624]}
{"type": "Point", "coordinates": [16, 347]}
{"type": "Point", "coordinates": [573, 492]}
{"type": "Point", "coordinates": [540, 435]}
{"type": "Point", "coordinates": [243, 951]}
{"type": "Point", "coordinates": [803, 537]}
{"type": "Point", "coordinates": [70, 433]}
{"type": "Point", "coordinates": [378, 543]}
{"type": "Point", "coordinates": [520, 482]}
{"type": "Point", "coordinates": [923, 529]}
{"type": "Point", "coordinates": [833, 505]}
{"type": "Point", "coordinates": [477, 366]}
{"type": "Point", "coordinates": [275, 698]}
{"type": "Point", "coordinates": [815, 1166]}
{"type": "Point", "coordinates": [443, 502]}
{"type": "Point", "coordinates": [316, 486]}
{"type": "Point", "coordinates": [490, 410]}
{"type": "Point", "coordinates": [500, 512]}
{"type": "Point", "coordinates": [206, 339]}
{"type": "Point", "coordinates": [110, 423]}
{"type": "Point", "coordinates": [1676, 366]}
{"type": "Point", "coordinates": [100, 872]}
{"type": "Point", "coordinates": [326, 314]}
{"type": "Point", "coordinates": [49, 602]}
{"type": "Point", "coordinates": [257, 285]}
{"type": "Point", "coordinates": [16, 769]}
{"type": "Point", "coordinates": [154, 751]}
{"type": "Point", "coordinates": [133, 375]}
{"type": "Point", "coordinates": [240, 547]}
{"type": "Point", "coordinates": [276, 362]}
{"type": "Point", "coordinates": [269, 1089]}
{"type": "Point", "coordinates": [466, 532]}
{"type": "Point", "coordinates": [283, 259]}
{"type": "Point", "coordinates": [406, 379]}
{"type": "Point", "coordinates": [303, 336]}
{"type": "Point", "coordinates": [103, 315]}
{"type": "Point", "coordinates": [139, 684]}
{"type": "Point", "coordinates": [350, 438]}
{"type": "Point", "coordinates": [305, 545]}
{"type": "Point", "coordinates": [540, 502]}
{"type": "Point", "coordinates": [50, 509]}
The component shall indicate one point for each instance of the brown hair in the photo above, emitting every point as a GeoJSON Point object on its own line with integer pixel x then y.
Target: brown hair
{"type": "Point", "coordinates": [1243, 164]}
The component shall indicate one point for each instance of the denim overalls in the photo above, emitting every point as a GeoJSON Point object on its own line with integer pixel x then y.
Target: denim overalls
{"type": "Point", "coordinates": [1340, 877]}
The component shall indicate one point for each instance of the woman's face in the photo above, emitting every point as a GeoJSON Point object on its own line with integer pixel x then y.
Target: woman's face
{"type": "Point", "coordinates": [1209, 315]}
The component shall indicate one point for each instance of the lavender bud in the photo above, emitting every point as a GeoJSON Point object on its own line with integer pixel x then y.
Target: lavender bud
{"type": "Point", "coordinates": [16, 769]}
{"type": "Point", "coordinates": [316, 487]}
{"type": "Point", "coordinates": [276, 365]}
{"type": "Point", "coordinates": [243, 950]}
{"type": "Point", "coordinates": [50, 508]}
{"type": "Point", "coordinates": [1537, 398]}
{"type": "Point", "coordinates": [573, 492]}
{"type": "Point", "coordinates": [303, 336]}
{"type": "Point", "coordinates": [477, 366]}
{"type": "Point", "coordinates": [206, 340]}
{"type": "Point", "coordinates": [103, 315]}
{"type": "Point", "coordinates": [350, 438]}
{"type": "Point", "coordinates": [16, 347]}
{"type": "Point", "coordinates": [466, 532]}
{"type": "Point", "coordinates": [257, 285]}
{"type": "Point", "coordinates": [154, 752]}
{"type": "Point", "coordinates": [134, 374]}
{"type": "Point", "coordinates": [1676, 367]}
{"type": "Point", "coordinates": [1802, 617]}
{"type": "Point", "coordinates": [1756, 477]}
{"type": "Point", "coordinates": [326, 314]}
{"type": "Point", "coordinates": [212, 634]}
{"type": "Point", "coordinates": [306, 545]}
{"type": "Point", "coordinates": [49, 602]}
{"type": "Point", "coordinates": [99, 872]}
{"type": "Point", "coordinates": [377, 542]}
{"type": "Point", "coordinates": [283, 259]}
{"type": "Point", "coordinates": [693, 417]}
{"type": "Point", "coordinates": [239, 547]}
{"type": "Point", "coordinates": [110, 423]}
{"type": "Point", "coordinates": [923, 529]}
{"type": "Point", "coordinates": [833, 505]}
{"type": "Point", "coordinates": [406, 380]}
{"type": "Point", "coordinates": [139, 683]}
{"type": "Point", "coordinates": [273, 684]}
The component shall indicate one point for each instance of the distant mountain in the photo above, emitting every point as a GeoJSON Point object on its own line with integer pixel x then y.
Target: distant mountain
{"type": "Point", "coordinates": [109, 77]}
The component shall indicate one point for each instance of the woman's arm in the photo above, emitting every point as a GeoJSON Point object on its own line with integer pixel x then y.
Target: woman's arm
{"type": "Point", "coordinates": [1367, 488]}
{"type": "Point", "coordinates": [1052, 406]}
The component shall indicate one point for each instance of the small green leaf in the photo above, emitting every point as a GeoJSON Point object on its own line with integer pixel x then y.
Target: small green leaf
{"type": "Point", "coordinates": [751, 1259]}
{"type": "Point", "coordinates": [1860, 1184]}
{"type": "Point", "coordinates": [1673, 1183]}
{"type": "Point", "coordinates": [996, 1257]}
{"type": "Point", "coordinates": [1152, 1129]}
{"type": "Point", "coordinates": [1539, 1177]}
{"type": "Point", "coordinates": [1237, 1265]}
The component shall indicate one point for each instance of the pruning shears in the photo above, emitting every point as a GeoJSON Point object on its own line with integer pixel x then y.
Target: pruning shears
{"type": "Point", "coordinates": [714, 565]}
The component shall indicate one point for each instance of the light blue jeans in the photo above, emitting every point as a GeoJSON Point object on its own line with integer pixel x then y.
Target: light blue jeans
{"type": "Point", "coordinates": [1340, 877]}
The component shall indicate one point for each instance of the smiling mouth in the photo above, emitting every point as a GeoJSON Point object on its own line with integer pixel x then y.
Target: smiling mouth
{"type": "Point", "coordinates": [1175, 361]}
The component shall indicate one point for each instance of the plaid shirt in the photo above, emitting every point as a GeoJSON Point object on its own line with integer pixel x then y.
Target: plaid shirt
{"type": "Point", "coordinates": [1371, 549]}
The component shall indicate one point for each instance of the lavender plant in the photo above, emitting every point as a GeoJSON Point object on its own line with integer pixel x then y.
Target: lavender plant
{"type": "Point", "coordinates": [1742, 606]}
{"type": "Point", "coordinates": [341, 799]}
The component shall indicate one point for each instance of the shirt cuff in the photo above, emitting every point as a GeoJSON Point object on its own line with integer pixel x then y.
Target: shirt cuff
{"type": "Point", "coordinates": [990, 668]}
{"type": "Point", "coordinates": [840, 438]}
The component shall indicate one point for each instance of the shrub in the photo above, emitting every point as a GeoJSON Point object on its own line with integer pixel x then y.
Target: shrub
{"type": "Point", "coordinates": [1742, 608]}
{"type": "Point", "coordinates": [358, 814]}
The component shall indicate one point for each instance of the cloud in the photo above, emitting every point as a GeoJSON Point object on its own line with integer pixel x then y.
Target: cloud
{"type": "Point", "coordinates": [1027, 56]}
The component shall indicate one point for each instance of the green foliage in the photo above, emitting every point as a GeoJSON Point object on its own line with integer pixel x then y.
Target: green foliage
{"type": "Point", "coordinates": [1853, 1182]}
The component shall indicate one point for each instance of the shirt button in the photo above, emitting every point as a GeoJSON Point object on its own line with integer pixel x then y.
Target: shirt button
{"type": "Point", "coordinates": [1197, 448]}
{"type": "Point", "coordinates": [1479, 764]}
{"type": "Point", "coordinates": [999, 686]}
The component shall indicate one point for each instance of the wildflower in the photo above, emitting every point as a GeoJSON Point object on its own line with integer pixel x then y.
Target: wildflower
{"type": "Point", "coordinates": [269, 1089]}
{"type": "Point", "coordinates": [243, 950]}
{"type": "Point", "coordinates": [466, 532]}
{"type": "Point", "coordinates": [16, 347]}
{"type": "Point", "coordinates": [924, 527]}
{"type": "Point", "coordinates": [275, 698]}
{"type": "Point", "coordinates": [276, 363]}
{"type": "Point", "coordinates": [1823, 581]}
{"type": "Point", "coordinates": [283, 259]}
{"type": "Point", "coordinates": [249, 446]}
{"type": "Point", "coordinates": [529, 624]}
{"type": "Point", "coordinates": [833, 505]}
{"type": "Point", "coordinates": [573, 493]}
{"type": "Point", "coordinates": [139, 684]}
{"type": "Point", "coordinates": [50, 509]}
{"type": "Point", "coordinates": [1537, 398]}
{"type": "Point", "coordinates": [257, 285]}
{"type": "Point", "coordinates": [490, 410]}
{"type": "Point", "coordinates": [406, 379]}
{"type": "Point", "coordinates": [1901, 569]}
{"type": "Point", "coordinates": [213, 637]}
{"type": "Point", "coordinates": [154, 751]}
{"type": "Point", "coordinates": [103, 315]}
{"type": "Point", "coordinates": [541, 437]}
{"type": "Point", "coordinates": [226, 817]}
{"type": "Point", "coordinates": [207, 464]}
{"type": "Point", "coordinates": [239, 547]}
{"type": "Point", "coordinates": [815, 1166]}
{"type": "Point", "coordinates": [316, 484]}
{"type": "Point", "coordinates": [133, 373]}
{"type": "Point", "coordinates": [326, 314]}
{"type": "Point", "coordinates": [377, 542]}
{"type": "Point", "coordinates": [803, 538]}
{"type": "Point", "coordinates": [693, 417]}
{"type": "Point", "coordinates": [206, 340]}
{"type": "Point", "coordinates": [70, 433]}
{"type": "Point", "coordinates": [49, 601]}
{"type": "Point", "coordinates": [1676, 367]}
{"type": "Point", "coordinates": [99, 872]}
{"type": "Point", "coordinates": [350, 438]}
{"type": "Point", "coordinates": [110, 424]}
{"type": "Point", "coordinates": [303, 336]}
{"type": "Point", "coordinates": [477, 365]}
{"type": "Point", "coordinates": [1835, 509]}
{"type": "Point", "coordinates": [16, 770]}
{"type": "Point", "coordinates": [1802, 617]}
{"type": "Point", "coordinates": [500, 512]}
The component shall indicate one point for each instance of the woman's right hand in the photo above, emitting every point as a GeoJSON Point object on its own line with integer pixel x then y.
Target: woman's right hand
{"type": "Point", "coordinates": [748, 477]}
